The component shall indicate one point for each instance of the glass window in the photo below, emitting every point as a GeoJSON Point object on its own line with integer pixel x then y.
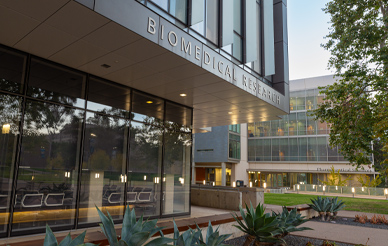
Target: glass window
{"type": "Point", "coordinates": [321, 127]}
{"type": "Point", "coordinates": [300, 100]}
{"type": "Point", "coordinates": [263, 128]}
{"type": "Point", "coordinates": [302, 149]}
{"type": "Point", "coordinates": [176, 173]}
{"type": "Point", "coordinates": [147, 108]}
{"type": "Point", "coordinates": [204, 18]}
{"type": "Point", "coordinates": [266, 149]}
{"type": "Point", "coordinates": [178, 117]}
{"type": "Point", "coordinates": [48, 168]}
{"type": "Point", "coordinates": [322, 149]}
{"type": "Point", "coordinates": [103, 167]}
{"type": "Point", "coordinates": [292, 126]}
{"type": "Point", "coordinates": [11, 71]}
{"type": "Point", "coordinates": [311, 127]}
{"type": "Point", "coordinates": [234, 146]}
{"type": "Point", "coordinates": [234, 47]}
{"type": "Point", "coordinates": [251, 149]}
{"type": "Point", "coordinates": [332, 152]}
{"type": "Point", "coordinates": [144, 172]}
{"type": "Point", "coordinates": [282, 129]}
{"type": "Point", "coordinates": [251, 129]}
{"type": "Point", "coordinates": [108, 99]}
{"type": "Point", "coordinates": [178, 8]}
{"type": "Point", "coordinates": [53, 83]}
{"type": "Point", "coordinates": [9, 122]}
{"type": "Point", "coordinates": [292, 103]}
{"type": "Point", "coordinates": [312, 149]}
{"type": "Point", "coordinates": [310, 100]}
{"type": "Point", "coordinates": [301, 123]}
{"type": "Point", "coordinates": [283, 149]}
{"type": "Point", "coordinates": [293, 149]}
{"type": "Point", "coordinates": [275, 149]}
{"type": "Point", "coordinates": [234, 128]}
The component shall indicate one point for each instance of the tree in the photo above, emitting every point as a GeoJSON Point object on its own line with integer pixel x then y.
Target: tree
{"type": "Point", "coordinates": [366, 182]}
{"type": "Point", "coordinates": [356, 106]}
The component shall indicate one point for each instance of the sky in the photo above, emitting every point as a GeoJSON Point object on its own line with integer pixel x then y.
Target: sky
{"type": "Point", "coordinates": [307, 27]}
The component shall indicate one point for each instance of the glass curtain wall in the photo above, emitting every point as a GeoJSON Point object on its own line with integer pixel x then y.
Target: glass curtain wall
{"type": "Point", "coordinates": [71, 141]}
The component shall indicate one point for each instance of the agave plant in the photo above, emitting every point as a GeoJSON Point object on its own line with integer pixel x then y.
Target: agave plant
{"type": "Point", "coordinates": [336, 206]}
{"type": "Point", "coordinates": [133, 232]}
{"type": "Point", "coordinates": [188, 238]}
{"type": "Point", "coordinates": [260, 226]}
{"type": "Point", "coordinates": [213, 238]}
{"type": "Point", "coordinates": [51, 240]}
{"type": "Point", "coordinates": [321, 205]}
{"type": "Point", "coordinates": [288, 221]}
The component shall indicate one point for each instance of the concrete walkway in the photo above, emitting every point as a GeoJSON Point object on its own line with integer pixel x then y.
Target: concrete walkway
{"type": "Point", "coordinates": [342, 233]}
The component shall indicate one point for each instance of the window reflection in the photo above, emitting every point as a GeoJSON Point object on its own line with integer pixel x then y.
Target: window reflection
{"type": "Point", "coordinates": [144, 179]}
{"type": "Point", "coordinates": [9, 123]}
{"type": "Point", "coordinates": [11, 71]}
{"type": "Point", "coordinates": [47, 177]}
{"type": "Point", "coordinates": [103, 167]}
{"type": "Point", "coordinates": [176, 173]}
{"type": "Point", "coordinates": [53, 83]}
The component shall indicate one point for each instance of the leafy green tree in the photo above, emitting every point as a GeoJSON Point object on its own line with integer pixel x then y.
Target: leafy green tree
{"type": "Point", "coordinates": [356, 106]}
{"type": "Point", "coordinates": [366, 182]}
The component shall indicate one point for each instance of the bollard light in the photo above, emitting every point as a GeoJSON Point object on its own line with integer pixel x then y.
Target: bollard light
{"type": "Point", "coordinates": [265, 185]}
{"type": "Point", "coordinates": [362, 188]}
{"type": "Point", "coordinates": [250, 184]}
{"type": "Point", "coordinates": [145, 177]}
{"type": "Point", "coordinates": [204, 182]}
{"type": "Point", "coordinates": [234, 184]}
{"type": "Point", "coordinates": [386, 193]}
{"type": "Point", "coordinates": [214, 183]}
{"type": "Point", "coordinates": [336, 187]}
{"type": "Point", "coordinates": [297, 189]}
{"type": "Point", "coordinates": [97, 176]}
{"type": "Point", "coordinates": [324, 189]}
{"type": "Point", "coordinates": [5, 129]}
{"type": "Point", "coordinates": [353, 191]}
{"type": "Point", "coordinates": [313, 186]}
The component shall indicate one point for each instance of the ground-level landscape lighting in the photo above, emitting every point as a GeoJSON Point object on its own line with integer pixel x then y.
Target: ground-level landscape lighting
{"type": "Point", "coordinates": [204, 182]}
{"type": "Point", "coordinates": [353, 191]}
{"type": "Point", "coordinates": [234, 184]}
{"type": "Point", "coordinates": [250, 184]}
{"type": "Point", "coordinates": [386, 193]}
{"type": "Point", "coordinates": [324, 189]}
{"type": "Point", "coordinates": [97, 175]}
{"type": "Point", "coordinates": [297, 189]}
{"type": "Point", "coordinates": [265, 185]}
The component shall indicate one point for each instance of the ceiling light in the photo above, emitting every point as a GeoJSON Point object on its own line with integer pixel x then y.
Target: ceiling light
{"type": "Point", "coordinates": [230, 112]}
{"type": "Point", "coordinates": [149, 102]}
{"type": "Point", "coordinates": [105, 65]}
{"type": "Point", "coordinates": [182, 95]}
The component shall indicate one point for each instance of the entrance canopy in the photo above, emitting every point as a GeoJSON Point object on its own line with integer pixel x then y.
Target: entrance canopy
{"type": "Point", "coordinates": [127, 43]}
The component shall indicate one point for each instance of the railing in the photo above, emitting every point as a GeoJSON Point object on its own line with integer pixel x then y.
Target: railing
{"type": "Point", "coordinates": [361, 191]}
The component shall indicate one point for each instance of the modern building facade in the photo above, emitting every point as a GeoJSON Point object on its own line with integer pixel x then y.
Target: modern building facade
{"type": "Point", "coordinates": [99, 100]}
{"type": "Point", "coordinates": [292, 150]}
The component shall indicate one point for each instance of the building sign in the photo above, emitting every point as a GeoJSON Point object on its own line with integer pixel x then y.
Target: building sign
{"type": "Point", "coordinates": [186, 46]}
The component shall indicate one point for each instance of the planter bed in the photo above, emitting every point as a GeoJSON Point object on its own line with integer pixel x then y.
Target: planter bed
{"type": "Point", "coordinates": [290, 240]}
{"type": "Point", "coordinates": [350, 221]}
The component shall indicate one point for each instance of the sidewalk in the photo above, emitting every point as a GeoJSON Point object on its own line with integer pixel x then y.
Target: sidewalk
{"type": "Point", "coordinates": [342, 233]}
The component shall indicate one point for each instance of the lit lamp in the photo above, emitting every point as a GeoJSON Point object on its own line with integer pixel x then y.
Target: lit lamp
{"type": "Point", "coordinates": [324, 189]}
{"type": "Point", "coordinates": [145, 177]}
{"type": "Point", "coordinates": [250, 184]}
{"type": "Point", "coordinates": [204, 182]}
{"type": "Point", "coordinates": [362, 188]}
{"type": "Point", "coordinates": [67, 174]}
{"type": "Point", "coordinates": [336, 187]}
{"type": "Point", "coordinates": [97, 175]}
{"type": "Point", "coordinates": [353, 191]}
{"type": "Point", "coordinates": [386, 193]}
{"type": "Point", "coordinates": [5, 129]}
{"type": "Point", "coordinates": [123, 178]}
{"type": "Point", "coordinates": [297, 189]}
{"type": "Point", "coordinates": [265, 185]}
{"type": "Point", "coordinates": [156, 181]}
{"type": "Point", "coordinates": [214, 183]}
{"type": "Point", "coordinates": [234, 184]}
{"type": "Point", "coordinates": [182, 180]}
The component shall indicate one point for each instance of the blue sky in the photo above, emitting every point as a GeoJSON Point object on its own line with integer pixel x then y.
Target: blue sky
{"type": "Point", "coordinates": [307, 26]}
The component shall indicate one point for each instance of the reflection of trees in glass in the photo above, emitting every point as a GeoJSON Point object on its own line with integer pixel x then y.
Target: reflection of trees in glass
{"type": "Point", "coordinates": [10, 112]}
{"type": "Point", "coordinates": [104, 143]}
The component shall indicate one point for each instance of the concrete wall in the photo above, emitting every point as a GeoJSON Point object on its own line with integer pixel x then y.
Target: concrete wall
{"type": "Point", "coordinates": [225, 197]}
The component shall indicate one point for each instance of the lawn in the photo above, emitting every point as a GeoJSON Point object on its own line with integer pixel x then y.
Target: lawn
{"type": "Point", "coordinates": [352, 204]}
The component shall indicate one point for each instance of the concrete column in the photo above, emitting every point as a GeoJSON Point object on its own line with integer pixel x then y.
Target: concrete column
{"type": "Point", "coordinates": [223, 174]}
{"type": "Point", "coordinates": [193, 173]}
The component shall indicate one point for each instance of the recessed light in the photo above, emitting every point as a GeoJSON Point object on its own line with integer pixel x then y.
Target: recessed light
{"type": "Point", "coordinates": [105, 65]}
{"type": "Point", "coordinates": [230, 112]}
{"type": "Point", "coordinates": [182, 95]}
{"type": "Point", "coordinates": [149, 102]}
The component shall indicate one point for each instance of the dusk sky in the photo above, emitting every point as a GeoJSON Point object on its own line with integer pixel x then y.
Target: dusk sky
{"type": "Point", "coordinates": [307, 27]}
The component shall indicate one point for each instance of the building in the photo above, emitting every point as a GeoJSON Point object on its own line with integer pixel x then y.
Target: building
{"type": "Point", "coordinates": [99, 100]}
{"type": "Point", "coordinates": [292, 150]}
